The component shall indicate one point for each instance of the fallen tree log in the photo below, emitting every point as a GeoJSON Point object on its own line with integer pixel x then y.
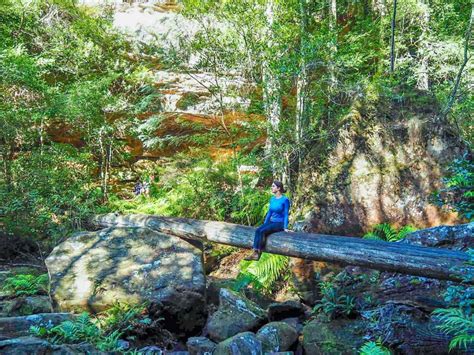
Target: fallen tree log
{"type": "Point", "coordinates": [385, 256]}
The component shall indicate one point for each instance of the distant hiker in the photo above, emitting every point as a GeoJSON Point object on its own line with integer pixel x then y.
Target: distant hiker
{"type": "Point", "coordinates": [275, 221]}
{"type": "Point", "coordinates": [137, 189]}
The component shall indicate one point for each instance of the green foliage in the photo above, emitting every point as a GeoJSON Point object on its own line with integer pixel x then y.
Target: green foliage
{"type": "Point", "coordinates": [373, 348]}
{"type": "Point", "coordinates": [203, 189]}
{"type": "Point", "coordinates": [386, 232]}
{"type": "Point", "coordinates": [103, 331]}
{"type": "Point", "coordinates": [120, 317]}
{"type": "Point", "coordinates": [264, 273]}
{"type": "Point", "coordinates": [332, 303]}
{"type": "Point", "coordinates": [458, 194]}
{"type": "Point", "coordinates": [24, 284]}
{"type": "Point", "coordinates": [53, 192]}
{"type": "Point", "coordinates": [458, 320]}
{"type": "Point", "coordinates": [64, 71]}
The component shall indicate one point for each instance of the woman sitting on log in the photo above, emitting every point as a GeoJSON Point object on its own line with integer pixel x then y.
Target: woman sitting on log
{"type": "Point", "coordinates": [276, 219]}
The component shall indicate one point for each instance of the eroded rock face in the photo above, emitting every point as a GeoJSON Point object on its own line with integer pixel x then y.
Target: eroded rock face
{"type": "Point", "coordinates": [378, 172]}
{"type": "Point", "coordinates": [236, 314]}
{"type": "Point", "coordinates": [93, 270]}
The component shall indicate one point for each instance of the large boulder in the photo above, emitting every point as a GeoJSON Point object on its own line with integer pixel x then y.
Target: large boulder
{"type": "Point", "coordinates": [93, 270]}
{"type": "Point", "coordinates": [13, 327]}
{"type": "Point", "coordinates": [378, 171]}
{"type": "Point", "coordinates": [277, 336]}
{"type": "Point", "coordinates": [236, 314]}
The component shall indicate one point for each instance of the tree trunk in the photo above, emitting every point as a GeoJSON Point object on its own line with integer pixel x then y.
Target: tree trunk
{"type": "Point", "coordinates": [302, 84]}
{"type": "Point", "coordinates": [271, 94]}
{"type": "Point", "coordinates": [452, 97]}
{"type": "Point", "coordinates": [395, 257]}
{"type": "Point", "coordinates": [392, 40]}
{"type": "Point", "coordinates": [423, 79]}
{"type": "Point", "coordinates": [333, 29]}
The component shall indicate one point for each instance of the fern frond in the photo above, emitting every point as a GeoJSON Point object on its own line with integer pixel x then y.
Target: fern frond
{"type": "Point", "coordinates": [404, 231]}
{"type": "Point", "coordinates": [266, 271]}
{"type": "Point", "coordinates": [373, 348]}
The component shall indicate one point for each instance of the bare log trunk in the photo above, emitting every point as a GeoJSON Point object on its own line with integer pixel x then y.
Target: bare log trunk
{"type": "Point", "coordinates": [395, 257]}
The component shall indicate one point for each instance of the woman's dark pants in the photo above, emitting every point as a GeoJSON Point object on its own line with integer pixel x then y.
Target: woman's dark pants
{"type": "Point", "coordinates": [263, 231]}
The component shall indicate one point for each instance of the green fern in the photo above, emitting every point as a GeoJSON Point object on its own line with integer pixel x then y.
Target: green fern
{"type": "Point", "coordinates": [264, 273]}
{"type": "Point", "coordinates": [373, 348]}
{"type": "Point", "coordinates": [458, 320]}
{"type": "Point", "coordinates": [333, 304]}
{"type": "Point", "coordinates": [460, 324]}
{"type": "Point", "coordinates": [109, 342]}
{"type": "Point", "coordinates": [25, 284]}
{"type": "Point", "coordinates": [386, 232]}
{"type": "Point", "coordinates": [120, 316]}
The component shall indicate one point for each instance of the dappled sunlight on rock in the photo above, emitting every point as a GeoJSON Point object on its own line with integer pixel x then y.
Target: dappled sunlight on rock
{"type": "Point", "coordinates": [131, 265]}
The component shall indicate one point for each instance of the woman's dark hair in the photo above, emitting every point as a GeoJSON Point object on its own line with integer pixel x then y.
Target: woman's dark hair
{"type": "Point", "coordinates": [279, 184]}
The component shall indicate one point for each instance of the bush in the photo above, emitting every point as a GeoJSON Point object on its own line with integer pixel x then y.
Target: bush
{"type": "Point", "coordinates": [458, 194]}
{"type": "Point", "coordinates": [332, 303]}
{"type": "Point", "coordinates": [458, 320]}
{"type": "Point", "coordinates": [103, 331]}
{"type": "Point", "coordinates": [203, 189]}
{"type": "Point", "coordinates": [264, 273]}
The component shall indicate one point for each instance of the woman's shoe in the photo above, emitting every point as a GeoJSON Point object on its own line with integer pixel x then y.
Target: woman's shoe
{"type": "Point", "coordinates": [254, 256]}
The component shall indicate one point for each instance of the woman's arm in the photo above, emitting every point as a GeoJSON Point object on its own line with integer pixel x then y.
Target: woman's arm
{"type": "Point", "coordinates": [267, 217]}
{"type": "Point", "coordinates": [286, 213]}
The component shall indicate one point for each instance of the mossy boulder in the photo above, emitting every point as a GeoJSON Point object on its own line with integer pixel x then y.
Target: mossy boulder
{"type": "Point", "coordinates": [277, 336]}
{"type": "Point", "coordinates": [245, 343]}
{"type": "Point", "coordinates": [378, 171]}
{"type": "Point", "coordinates": [236, 314]}
{"type": "Point", "coordinates": [25, 305]}
{"type": "Point", "coordinates": [93, 270]}
{"type": "Point", "coordinates": [200, 346]}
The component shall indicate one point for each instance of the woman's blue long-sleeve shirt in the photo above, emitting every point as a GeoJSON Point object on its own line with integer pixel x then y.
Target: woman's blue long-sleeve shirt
{"type": "Point", "coordinates": [278, 210]}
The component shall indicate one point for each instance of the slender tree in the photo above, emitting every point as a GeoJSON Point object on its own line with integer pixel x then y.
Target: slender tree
{"type": "Point", "coordinates": [392, 38]}
{"type": "Point", "coordinates": [466, 58]}
{"type": "Point", "coordinates": [302, 79]}
{"type": "Point", "coordinates": [423, 78]}
{"type": "Point", "coordinates": [272, 91]}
